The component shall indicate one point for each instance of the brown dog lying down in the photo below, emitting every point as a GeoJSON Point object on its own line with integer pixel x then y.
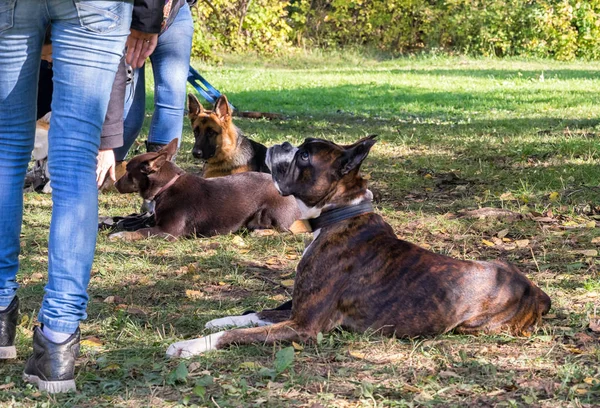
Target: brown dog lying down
{"type": "Point", "coordinates": [189, 205]}
{"type": "Point", "coordinates": [358, 275]}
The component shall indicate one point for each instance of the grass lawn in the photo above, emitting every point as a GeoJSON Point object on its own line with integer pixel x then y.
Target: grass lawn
{"type": "Point", "coordinates": [455, 134]}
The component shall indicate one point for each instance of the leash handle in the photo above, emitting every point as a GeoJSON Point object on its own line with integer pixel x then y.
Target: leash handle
{"type": "Point", "coordinates": [204, 88]}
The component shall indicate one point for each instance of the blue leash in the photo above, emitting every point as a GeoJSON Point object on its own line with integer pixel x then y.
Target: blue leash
{"type": "Point", "coordinates": [204, 88]}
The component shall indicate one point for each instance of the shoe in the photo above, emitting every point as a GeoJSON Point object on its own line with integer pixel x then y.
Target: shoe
{"type": "Point", "coordinates": [153, 147]}
{"type": "Point", "coordinates": [52, 366]}
{"type": "Point", "coordinates": [8, 329]}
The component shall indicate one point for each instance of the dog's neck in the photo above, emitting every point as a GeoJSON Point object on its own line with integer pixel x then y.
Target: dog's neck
{"type": "Point", "coordinates": [166, 186]}
{"type": "Point", "coordinates": [174, 172]}
{"type": "Point", "coordinates": [333, 216]}
{"type": "Point", "coordinates": [310, 213]}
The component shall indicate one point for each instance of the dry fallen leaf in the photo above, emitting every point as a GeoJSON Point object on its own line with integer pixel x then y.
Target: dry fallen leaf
{"type": "Point", "coordinates": [522, 243]}
{"type": "Point", "coordinates": [297, 347]}
{"type": "Point", "coordinates": [595, 324]}
{"type": "Point", "coordinates": [111, 367]}
{"type": "Point", "coordinates": [238, 241]}
{"type": "Point", "coordinates": [487, 243]}
{"type": "Point", "coordinates": [501, 234]}
{"type": "Point", "coordinates": [272, 261]}
{"type": "Point", "coordinates": [7, 386]}
{"type": "Point", "coordinates": [92, 341]}
{"type": "Point", "coordinates": [447, 374]}
{"type": "Point", "coordinates": [288, 283]}
{"type": "Point", "coordinates": [193, 294]}
{"type": "Point", "coordinates": [357, 354]}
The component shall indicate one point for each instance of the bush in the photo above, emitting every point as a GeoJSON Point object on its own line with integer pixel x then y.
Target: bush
{"type": "Point", "coordinates": [243, 25]}
{"type": "Point", "coordinates": [560, 29]}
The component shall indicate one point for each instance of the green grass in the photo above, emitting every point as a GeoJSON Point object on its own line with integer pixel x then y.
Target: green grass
{"type": "Point", "coordinates": [454, 134]}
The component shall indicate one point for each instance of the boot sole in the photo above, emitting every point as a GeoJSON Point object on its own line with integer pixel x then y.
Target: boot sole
{"type": "Point", "coordinates": [51, 387]}
{"type": "Point", "coordinates": [8, 352]}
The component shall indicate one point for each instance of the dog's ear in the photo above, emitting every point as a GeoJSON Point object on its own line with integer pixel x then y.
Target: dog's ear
{"type": "Point", "coordinates": [171, 149]}
{"type": "Point", "coordinates": [222, 108]}
{"type": "Point", "coordinates": [195, 108]}
{"type": "Point", "coordinates": [163, 155]}
{"type": "Point", "coordinates": [354, 154]}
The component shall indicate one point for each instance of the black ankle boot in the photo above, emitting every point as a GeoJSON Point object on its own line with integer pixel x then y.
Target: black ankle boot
{"type": "Point", "coordinates": [52, 366]}
{"type": "Point", "coordinates": [8, 329]}
{"type": "Point", "coordinates": [153, 147]}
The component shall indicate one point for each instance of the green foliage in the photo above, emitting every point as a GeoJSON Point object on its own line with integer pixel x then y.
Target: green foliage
{"type": "Point", "coordinates": [284, 358]}
{"type": "Point", "coordinates": [560, 29]}
{"type": "Point", "coordinates": [242, 25]}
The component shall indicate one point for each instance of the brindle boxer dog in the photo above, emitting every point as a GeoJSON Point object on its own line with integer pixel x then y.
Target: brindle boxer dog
{"type": "Point", "coordinates": [358, 275]}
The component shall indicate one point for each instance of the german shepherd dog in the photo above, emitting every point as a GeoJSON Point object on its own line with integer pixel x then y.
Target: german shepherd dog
{"type": "Point", "coordinates": [220, 143]}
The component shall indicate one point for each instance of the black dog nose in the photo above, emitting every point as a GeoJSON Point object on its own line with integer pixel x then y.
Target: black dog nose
{"type": "Point", "coordinates": [287, 146]}
{"type": "Point", "coordinates": [197, 154]}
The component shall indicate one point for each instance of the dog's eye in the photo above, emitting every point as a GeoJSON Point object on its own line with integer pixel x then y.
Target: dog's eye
{"type": "Point", "coordinates": [304, 156]}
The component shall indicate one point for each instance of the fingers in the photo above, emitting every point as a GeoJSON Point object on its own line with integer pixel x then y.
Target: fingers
{"type": "Point", "coordinates": [100, 176]}
{"type": "Point", "coordinates": [111, 174]}
{"type": "Point", "coordinates": [106, 164]}
{"type": "Point", "coordinates": [139, 47]}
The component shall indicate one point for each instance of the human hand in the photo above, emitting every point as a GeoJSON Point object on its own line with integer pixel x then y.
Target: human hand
{"type": "Point", "coordinates": [139, 47]}
{"type": "Point", "coordinates": [106, 165]}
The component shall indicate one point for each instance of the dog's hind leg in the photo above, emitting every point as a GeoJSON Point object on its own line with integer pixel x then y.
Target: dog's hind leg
{"type": "Point", "coordinates": [285, 331]}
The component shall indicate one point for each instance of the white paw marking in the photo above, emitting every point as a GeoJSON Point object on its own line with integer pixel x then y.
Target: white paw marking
{"type": "Point", "coordinates": [237, 321]}
{"type": "Point", "coordinates": [189, 348]}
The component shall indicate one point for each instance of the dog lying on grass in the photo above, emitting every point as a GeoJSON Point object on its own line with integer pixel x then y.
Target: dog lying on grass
{"type": "Point", "coordinates": [188, 205]}
{"type": "Point", "coordinates": [358, 275]}
{"type": "Point", "coordinates": [220, 143]}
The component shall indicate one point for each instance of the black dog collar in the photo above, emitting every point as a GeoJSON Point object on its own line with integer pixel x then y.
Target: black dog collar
{"type": "Point", "coordinates": [339, 214]}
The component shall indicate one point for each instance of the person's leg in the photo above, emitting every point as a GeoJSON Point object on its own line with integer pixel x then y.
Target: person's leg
{"type": "Point", "coordinates": [134, 112]}
{"type": "Point", "coordinates": [88, 39]}
{"type": "Point", "coordinates": [170, 65]}
{"type": "Point", "coordinates": [22, 28]}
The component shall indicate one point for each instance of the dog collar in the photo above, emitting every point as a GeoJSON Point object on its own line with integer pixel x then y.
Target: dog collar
{"type": "Point", "coordinates": [163, 188]}
{"type": "Point", "coordinates": [339, 214]}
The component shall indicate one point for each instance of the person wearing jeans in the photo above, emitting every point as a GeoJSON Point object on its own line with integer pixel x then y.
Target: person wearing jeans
{"type": "Point", "coordinates": [89, 37]}
{"type": "Point", "coordinates": [170, 66]}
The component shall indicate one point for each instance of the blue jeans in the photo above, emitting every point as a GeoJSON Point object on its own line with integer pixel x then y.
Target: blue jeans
{"type": "Point", "coordinates": [170, 66]}
{"type": "Point", "coordinates": [88, 40]}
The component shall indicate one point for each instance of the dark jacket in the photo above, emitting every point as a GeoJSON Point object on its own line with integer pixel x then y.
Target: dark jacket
{"type": "Point", "coordinates": [148, 15]}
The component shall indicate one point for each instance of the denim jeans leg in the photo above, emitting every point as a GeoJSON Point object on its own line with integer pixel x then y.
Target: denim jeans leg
{"type": "Point", "coordinates": [22, 28]}
{"type": "Point", "coordinates": [170, 66]}
{"type": "Point", "coordinates": [88, 40]}
{"type": "Point", "coordinates": [134, 112]}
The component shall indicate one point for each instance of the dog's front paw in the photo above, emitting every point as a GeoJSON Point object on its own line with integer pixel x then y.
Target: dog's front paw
{"type": "Point", "coordinates": [189, 348]}
{"type": "Point", "coordinates": [250, 319]}
{"type": "Point", "coordinates": [124, 236]}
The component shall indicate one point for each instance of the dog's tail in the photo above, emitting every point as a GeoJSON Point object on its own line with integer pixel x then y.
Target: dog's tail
{"type": "Point", "coordinates": [46, 118]}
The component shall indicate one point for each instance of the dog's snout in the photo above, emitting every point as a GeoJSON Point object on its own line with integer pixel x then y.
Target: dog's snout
{"type": "Point", "coordinates": [287, 146]}
{"type": "Point", "coordinates": [197, 153]}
